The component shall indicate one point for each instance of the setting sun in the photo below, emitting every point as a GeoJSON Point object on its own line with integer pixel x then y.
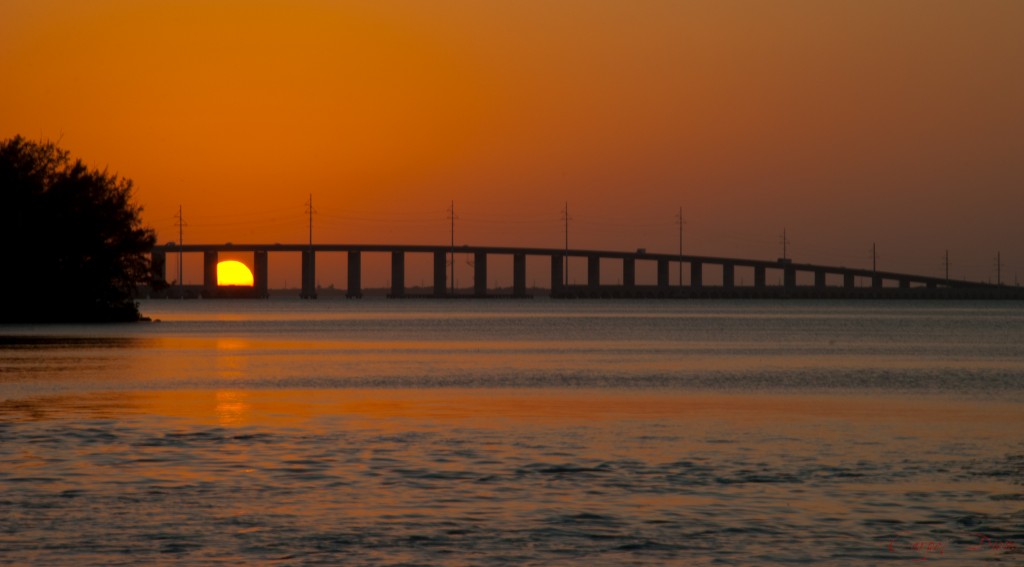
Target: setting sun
{"type": "Point", "coordinates": [233, 272]}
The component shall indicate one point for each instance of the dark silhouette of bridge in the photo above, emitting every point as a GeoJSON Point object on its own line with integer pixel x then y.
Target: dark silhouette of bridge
{"type": "Point", "coordinates": [814, 281]}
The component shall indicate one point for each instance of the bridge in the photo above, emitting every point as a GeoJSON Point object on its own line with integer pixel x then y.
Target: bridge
{"type": "Point", "coordinates": [793, 280]}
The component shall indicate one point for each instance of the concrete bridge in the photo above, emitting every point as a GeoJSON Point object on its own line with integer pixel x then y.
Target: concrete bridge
{"type": "Point", "coordinates": [818, 281]}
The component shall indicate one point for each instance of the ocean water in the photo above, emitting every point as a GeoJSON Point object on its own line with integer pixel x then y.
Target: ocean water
{"type": "Point", "coordinates": [539, 432]}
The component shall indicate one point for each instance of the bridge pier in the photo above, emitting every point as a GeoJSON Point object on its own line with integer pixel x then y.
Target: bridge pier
{"type": "Point", "coordinates": [480, 274]}
{"type": "Point", "coordinates": [210, 273]}
{"type": "Point", "coordinates": [696, 275]}
{"type": "Point", "coordinates": [849, 281]}
{"type": "Point", "coordinates": [876, 282]}
{"type": "Point", "coordinates": [629, 272]}
{"type": "Point", "coordinates": [904, 284]}
{"type": "Point", "coordinates": [759, 276]}
{"type": "Point", "coordinates": [728, 275]}
{"type": "Point", "coordinates": [819, 279]}
{"type": "Point", "coordinates": [593, 272]}
{"type": "Point", "coordinates": [158, 266]}
{"type": "Point", "coordinates": [397, 274]}
{"type": "Point", "coordinates": [557, 275]}
{"type": "Point", "coordinates": [789, 276]}
{"type": "Point", "coordinates": [355, 275]}
{"type": "Point", "coordinates": [519, 275]}
{"type": "Point", "coordinates": [440, 273]}
{"type": "Point", "coordinates": [308, 274]}
{"type": "Point", "coordinates": [260, 274]}
{"type": "Point", "coordinates": [663, 275]}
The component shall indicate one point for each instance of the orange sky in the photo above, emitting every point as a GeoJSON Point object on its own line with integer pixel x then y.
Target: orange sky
{"type": "Point", "coordinates": [847, 123]}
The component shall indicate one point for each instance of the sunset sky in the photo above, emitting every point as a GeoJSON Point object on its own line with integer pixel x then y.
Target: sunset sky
{"type": "Point", "coordinates": [846, 123]}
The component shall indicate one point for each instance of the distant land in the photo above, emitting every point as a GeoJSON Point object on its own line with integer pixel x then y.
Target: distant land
{"type": "Point", "coordinates": [1005, 292]}
{"type": "Point", "coordinates": [193, 291]}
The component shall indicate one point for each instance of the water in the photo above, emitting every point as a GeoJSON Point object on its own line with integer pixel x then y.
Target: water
{"type": "Point", "coordinates": [538, 432]}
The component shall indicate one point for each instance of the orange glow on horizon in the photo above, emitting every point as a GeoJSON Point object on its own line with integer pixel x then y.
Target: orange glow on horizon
{"type": "Point", "coordinates": [233, 272]}
{"type": "Point", "coordinates": [848, 123]}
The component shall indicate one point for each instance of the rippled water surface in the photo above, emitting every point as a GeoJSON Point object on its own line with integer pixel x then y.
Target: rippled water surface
{"type": "Point", "coordinates": [538, 432]}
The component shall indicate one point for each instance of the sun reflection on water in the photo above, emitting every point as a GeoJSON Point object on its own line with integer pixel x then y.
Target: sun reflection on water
{"type": "Point", "coordinates": [231, 358]}
{"type": "Point", "coordinates": [231, 407]}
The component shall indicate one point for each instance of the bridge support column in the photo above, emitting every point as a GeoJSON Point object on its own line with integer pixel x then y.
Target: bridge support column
{"type": "Point", "coordinates": [728, 275]}
{"type": "Point", "coordinates": [158, 266]}
{"type": "Point", "coordinates": [849, 281]}
{"type": "Point", "coordinates": [519, 275]}
{"type": "Point", "coordinates": [355, 274]}
{"type": "Point", "coordinates": [904, 284]}
{"type": "Point", "coordinates": [557, 274]}
{"type": "Point", "coordinates": [876, 281]}
{"type": "Point", "coordinates": [260, 274]}
{"type": "Point", "coordinates": [663, 275]}
{"type": "Point", "coordinates": [759, 276]}
{"type": "Point", "coordinates": [440, 275]}
{"type": "Point", "coordinates": [308, 274]}
{"type": "Point", "coordinates": [398, 274]}
{"type": "Point", "coordinates": [629, 272]}
{"type": "Point", "coordinates": [593, 272]}
{"type": "Point", "coordinates": [480, 274]}
{"type": "Point", "coordinates": [696, 275]}
{"type": "Point", "coordinates": [819, 279]}
{"type": "Point", "coordinates": [789, 276]}
{"type": "Point", "coordinates": [210, 273]}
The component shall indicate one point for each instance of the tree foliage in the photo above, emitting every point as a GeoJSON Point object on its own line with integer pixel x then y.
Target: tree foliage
{"type": "Point", "coordinates": [74, 247]}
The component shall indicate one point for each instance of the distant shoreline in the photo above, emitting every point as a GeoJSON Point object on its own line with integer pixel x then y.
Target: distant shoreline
{"type": "Point", "coordinates": [1004, 293]}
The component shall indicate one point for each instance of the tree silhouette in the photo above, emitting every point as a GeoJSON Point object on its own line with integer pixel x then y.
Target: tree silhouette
{"type": "Point", "coordinates": [73, 243]}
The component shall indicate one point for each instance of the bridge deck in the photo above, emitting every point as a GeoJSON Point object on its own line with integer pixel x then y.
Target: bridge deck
{"type": "Point", "coordinates": [908, 285]}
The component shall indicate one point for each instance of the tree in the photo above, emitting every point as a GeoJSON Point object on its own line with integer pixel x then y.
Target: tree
{"type": "Point", "coordinates": [72, 241]}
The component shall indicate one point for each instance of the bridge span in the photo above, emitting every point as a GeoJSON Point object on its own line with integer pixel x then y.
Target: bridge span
{"type": "Point", "coordinates": [790, 279]}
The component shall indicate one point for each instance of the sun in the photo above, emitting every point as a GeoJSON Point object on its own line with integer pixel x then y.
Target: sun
{"type": "Point", "coordinates": [233, 272]}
